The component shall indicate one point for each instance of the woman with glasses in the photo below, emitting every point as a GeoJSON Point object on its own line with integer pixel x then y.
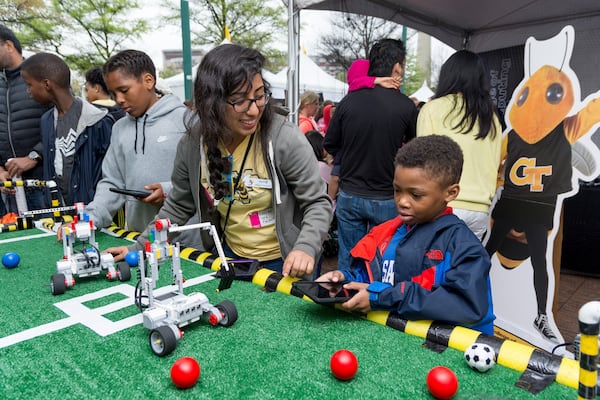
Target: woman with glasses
{"type": "Point", "coordinates": [247, 170]}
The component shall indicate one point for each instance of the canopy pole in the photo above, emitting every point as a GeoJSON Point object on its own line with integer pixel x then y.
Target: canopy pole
{"type": "Point", "coordinates": [293, 80]}
{"type": "Point", "coordinates": [186, 45]}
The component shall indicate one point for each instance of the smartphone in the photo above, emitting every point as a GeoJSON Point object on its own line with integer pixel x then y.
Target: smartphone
{"type": "Point", "coordinates": [324, 292]}
{"type": "Point", "coordinates": [135, 193]}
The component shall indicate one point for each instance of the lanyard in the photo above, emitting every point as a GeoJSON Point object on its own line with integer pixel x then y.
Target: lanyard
{"type": "Point", "coordinates": [236, 182]}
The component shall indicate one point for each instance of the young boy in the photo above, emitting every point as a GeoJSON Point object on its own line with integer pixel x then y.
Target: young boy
{"type": "Point", "coordinates": [75, 134]}
{"type": "Point", "coordinates": [425, 263]}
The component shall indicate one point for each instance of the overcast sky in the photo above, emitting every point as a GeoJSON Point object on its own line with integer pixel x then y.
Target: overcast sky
{"type": "Point", "coordinates": [314, 23]}
{"type": "Point", "coordinates": [168, 37]}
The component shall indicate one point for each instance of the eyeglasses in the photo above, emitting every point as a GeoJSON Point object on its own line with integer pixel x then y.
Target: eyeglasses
{"type": "Point", "coordinates": [243, 105]}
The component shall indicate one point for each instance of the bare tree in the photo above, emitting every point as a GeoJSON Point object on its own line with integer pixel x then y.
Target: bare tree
{"type": "Point", "coordinates": [352, 36]}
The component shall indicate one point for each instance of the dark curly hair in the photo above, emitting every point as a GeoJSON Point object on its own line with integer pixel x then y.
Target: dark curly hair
{"type": "Point", "coordinates": [440, 156]}
{"type": "Point", "coordinates": [134, 63]}
{"type": "Point", "coordinates": [384, 54]}
{"type": "Point", "coordinates": [94, 77]}
{"type": "Point", "coordinates": [222, 72]}
{"type": "Point", "coordinates": [42, 66]}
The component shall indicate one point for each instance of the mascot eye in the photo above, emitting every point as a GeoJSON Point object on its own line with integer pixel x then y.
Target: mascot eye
{"type": "Point", "coordinates": [523, 97]}
{"type": "Point", "coordinates": [554, 94]}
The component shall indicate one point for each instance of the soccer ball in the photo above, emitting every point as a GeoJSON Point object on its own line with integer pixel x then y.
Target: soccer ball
{"type": "Point", "coordinates": [480, 357]}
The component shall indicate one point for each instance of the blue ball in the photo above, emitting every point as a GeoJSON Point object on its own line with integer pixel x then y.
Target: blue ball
{"type": "Point", "coordinates": [132, 258]}
{"type": "Point", "coordinates": [11, 260]}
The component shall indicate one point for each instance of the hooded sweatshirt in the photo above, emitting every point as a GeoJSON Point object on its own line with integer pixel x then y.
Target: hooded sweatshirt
{"type": "Point", "coordinates": [92, 138]}
{"type": "Point", "coordinates": [141, 152]}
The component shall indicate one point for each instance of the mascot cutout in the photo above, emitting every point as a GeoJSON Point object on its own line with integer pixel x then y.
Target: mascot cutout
{"type": "Point", "coordinates": [548, 149]}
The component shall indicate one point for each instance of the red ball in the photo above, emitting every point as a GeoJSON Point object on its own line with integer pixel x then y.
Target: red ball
{"type": "Point", "coordinates": [343, 364]}
{"type": "Point", "coordinates": [442, 383]}
{"type": "Point", "coordinates": [185, 372]}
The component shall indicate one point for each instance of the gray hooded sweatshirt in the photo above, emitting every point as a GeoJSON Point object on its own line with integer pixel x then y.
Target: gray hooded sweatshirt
{"type": "Point", "coordinates": [141, 152]}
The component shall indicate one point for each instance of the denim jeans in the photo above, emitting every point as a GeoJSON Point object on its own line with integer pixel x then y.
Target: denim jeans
{"type": "Point", "coordinates": [356, 216]}
{"type": "Point", "coordinates": [274, 265]}
{"type": "Point", "coordinates": [35, 199]}
{"type": "Point", "coordinates": [2, 207]}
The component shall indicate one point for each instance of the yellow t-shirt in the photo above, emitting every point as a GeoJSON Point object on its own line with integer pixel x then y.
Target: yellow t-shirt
{"type": "Point", "coordinates": [481, 157]}
{"type": "Point", "coordinates": [250, 230]}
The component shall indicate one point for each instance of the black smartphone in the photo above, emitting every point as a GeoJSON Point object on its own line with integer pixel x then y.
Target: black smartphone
{"type": "Point", "coordinates": [324, 292]}
{"type": "Point", "coordinates": [135, 193]}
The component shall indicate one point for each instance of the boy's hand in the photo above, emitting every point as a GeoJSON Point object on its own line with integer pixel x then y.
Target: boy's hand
{"type": "Point", "coordinates": [157, 197]}
{"type": "Point", "coordinates": [118, 253]}
{"type": "Point", "coordinates": [332, 276]}
{"type": "Point", "coordinates": [298, 264]}
{"type": "Point", "coordinates": [360, 301]}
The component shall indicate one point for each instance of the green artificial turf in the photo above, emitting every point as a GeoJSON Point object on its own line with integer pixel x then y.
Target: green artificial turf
{"type": "Point", "coordinates": [278, 349]}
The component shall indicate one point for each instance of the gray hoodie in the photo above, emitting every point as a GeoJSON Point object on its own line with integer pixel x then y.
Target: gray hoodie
{"type": "Point", "coordinates": [141, 152]}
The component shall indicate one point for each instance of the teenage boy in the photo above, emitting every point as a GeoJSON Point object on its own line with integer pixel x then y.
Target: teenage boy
{"type": "Point", "coordinates": [143, 145]}
{"type": "Point", "coordinates": [425, 263]}
{"type": "Point", "coordinates": [75, 134]}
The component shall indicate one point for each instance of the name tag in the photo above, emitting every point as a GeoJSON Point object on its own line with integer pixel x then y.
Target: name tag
{"type": "Point", "coordinates": [262, 218]}
{"type": "Point", "coordinates": [250, 181]}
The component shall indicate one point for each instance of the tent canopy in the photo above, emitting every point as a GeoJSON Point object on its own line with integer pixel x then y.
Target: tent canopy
{"type": "Point", "coordinates": [477, 25]}
{"type": "Point", "coordinates": [423, 93]}
{"type": "Point", "coordinates": [312, 77]}
{"type": "Point", "coordinates": [176, 83]}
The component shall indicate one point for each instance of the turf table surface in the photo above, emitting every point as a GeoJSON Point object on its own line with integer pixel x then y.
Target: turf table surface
{"type": "Point", "coordinates": [89, 343]}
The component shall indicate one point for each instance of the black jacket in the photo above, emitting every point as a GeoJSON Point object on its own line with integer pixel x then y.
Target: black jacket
{"type": "Point", "coordinates": [19, 120]}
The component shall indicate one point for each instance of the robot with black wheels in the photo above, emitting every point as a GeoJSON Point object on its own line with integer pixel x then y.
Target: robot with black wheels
{"type": "Point", "coordinates": [86, 262]}
{"type": "Point", "coordinates": [164, 314]}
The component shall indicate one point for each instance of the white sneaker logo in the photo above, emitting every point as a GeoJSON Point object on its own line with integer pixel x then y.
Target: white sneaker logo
{"type": "Point", "coordinates": [162, 139]}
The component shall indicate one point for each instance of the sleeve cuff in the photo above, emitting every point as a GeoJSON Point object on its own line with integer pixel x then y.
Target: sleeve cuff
{"type": "Point", "coordinates": [374, 290]}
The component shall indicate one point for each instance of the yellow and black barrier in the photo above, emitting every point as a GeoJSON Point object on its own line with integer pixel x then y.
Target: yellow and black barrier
{"type": "Point", "coordinates": [517, 356]}
{"type": "Point", "coordinates": [589, 326]}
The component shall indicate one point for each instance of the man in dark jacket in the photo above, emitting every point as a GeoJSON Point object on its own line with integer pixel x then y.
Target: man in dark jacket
{"type": "Point", "coordinates": [20, 142]}
{"type": "Point", "coordinates": [367, 128]}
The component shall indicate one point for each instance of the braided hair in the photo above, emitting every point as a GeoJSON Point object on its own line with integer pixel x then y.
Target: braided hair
{"type": "Point", "coordinates": [222, 72]}
{"type": "Point", "coordinates": [134, 63]}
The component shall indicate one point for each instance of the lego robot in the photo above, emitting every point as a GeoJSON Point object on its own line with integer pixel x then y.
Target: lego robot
{"type": "Point", "coordinates": [163, 315]}
{"type": "Point", "coordinates": [86, 262]}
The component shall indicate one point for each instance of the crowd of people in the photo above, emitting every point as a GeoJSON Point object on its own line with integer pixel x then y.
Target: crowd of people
{"type": "Point", "coordinates": [391, 177]}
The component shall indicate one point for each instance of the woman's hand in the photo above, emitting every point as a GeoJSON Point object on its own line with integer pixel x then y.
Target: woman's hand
{"type": "Point", "coordinates": [298, 264]}
{"type": "Point", "coordinates": [118, 253]}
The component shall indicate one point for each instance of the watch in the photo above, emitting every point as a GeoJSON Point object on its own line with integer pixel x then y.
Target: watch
{"type": "Point", "coordinates": [34, 155]}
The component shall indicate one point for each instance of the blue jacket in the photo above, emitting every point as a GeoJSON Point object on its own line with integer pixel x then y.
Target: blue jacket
{"type": "Point", "coordinates": [94, 128]}
{"type": "Point", "coordinates": [441, 273]}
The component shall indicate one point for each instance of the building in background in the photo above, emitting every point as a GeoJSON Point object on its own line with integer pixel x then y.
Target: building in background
{"type": "Point", "coordinates": [173, 60]}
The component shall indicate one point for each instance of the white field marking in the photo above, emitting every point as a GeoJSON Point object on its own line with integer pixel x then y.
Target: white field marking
{"type": "Point", "coordinates": [40, 235]}
{"type": "Point", "coordinates": [93, 318]}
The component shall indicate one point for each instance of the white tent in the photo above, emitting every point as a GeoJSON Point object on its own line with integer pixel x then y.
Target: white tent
{"type": "Point", "coordinates": [423, 93]}
{"type": "Point", "coordinates": [312, 77]}
{"type": "Point", "coordinates": [176, 83]}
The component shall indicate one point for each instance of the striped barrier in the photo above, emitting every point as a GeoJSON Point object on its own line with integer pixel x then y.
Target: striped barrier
{"type": "Point", "coordinates": [517, 356]}
{"type": "Point", "coordinates": [589, 326]}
